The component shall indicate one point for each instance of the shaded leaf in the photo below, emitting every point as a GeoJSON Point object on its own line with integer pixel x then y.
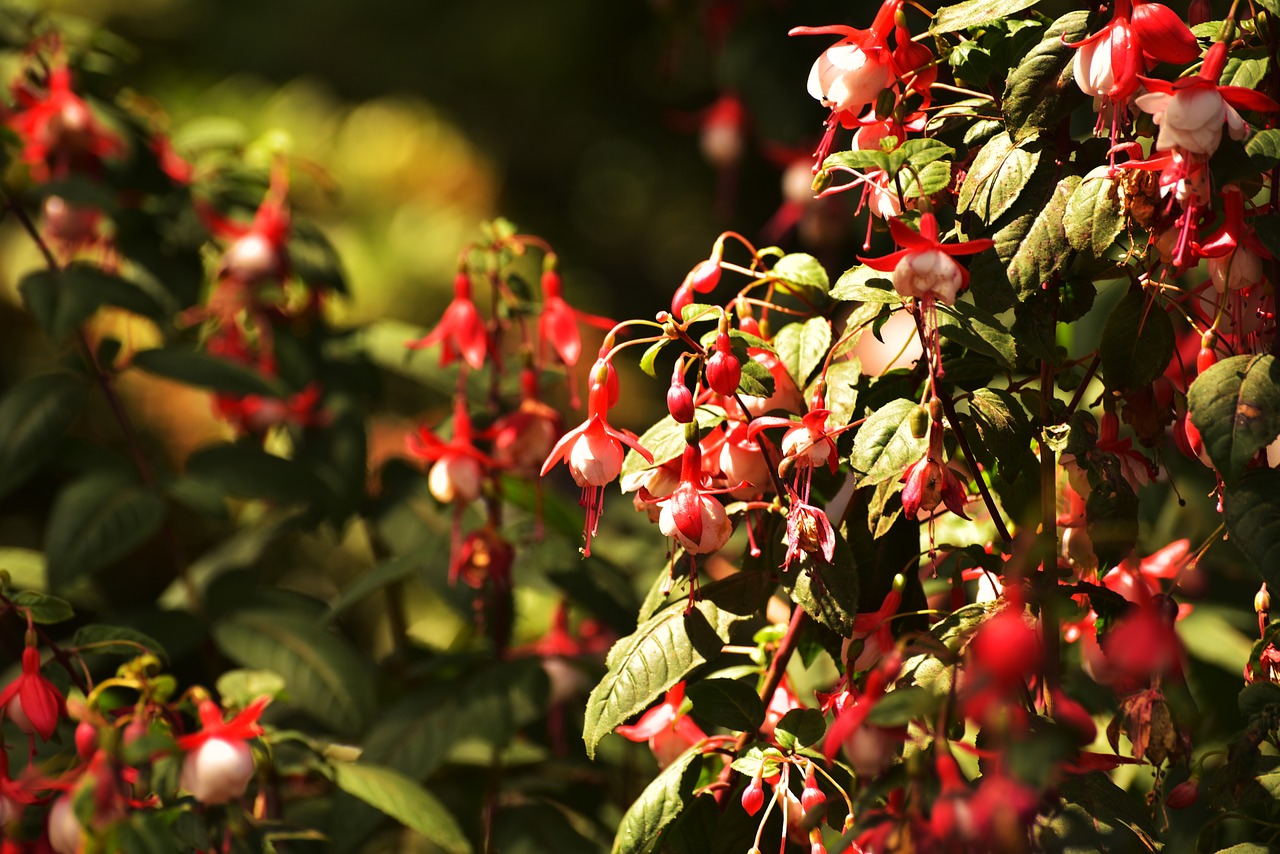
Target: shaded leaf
{"type": "Point", "coordinates": [198, 368]}
{"type": "Point", "coordinates": [1137, 342]}
{"type": "Point", "coordinates": [245, 471]}
{"type": "Point", "coordinates": [404, 800]}
{"type": "Point", "coordinates": [1251, 507]}
{"type": "Point", "coordinates": [800, 728]}
{"type": "Point", "coordinates": [665, 439]}
{"type": "Point", "coordinates": [43, 608]}
{"type": "Point", "coordinates": [1236, 407]}
{"type": "Point", "coordinates": [904, 705]}
{"type": "Point", "coordinates": [727, 703]}
{"type": "Point", "coordinates": [240, 687]}
{"type": "Point", "coordinates": [64, 299]}
{"type": "Point", "coordinates": [977, 330]}
{"type": "Point", "coordinates": [97, 520]}
{"type": "Point", "coordinates": [116, 639]}
{"type": "Point", "coordinates": [661, 803]}
{"type": "Point", "coordinates": [33, 417]}
{"type": "Point", "coordinates": [1041, 89]}
{"type": "Point", "coordinates": [1093, 218]}
{"type": "Point", "coordinates": [975, 13]}
{"type": "Point", "coordinates": [1044, 251]}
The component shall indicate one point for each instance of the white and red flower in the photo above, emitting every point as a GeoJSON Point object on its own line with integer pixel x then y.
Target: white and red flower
{"type": "Point", "coordinates": [219, 762]}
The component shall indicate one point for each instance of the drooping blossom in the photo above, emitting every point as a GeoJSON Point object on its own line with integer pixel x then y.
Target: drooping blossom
{"type": "Point", "coordinates": [870, 749]}
{"type": "Point", "coordinates": [59, 133]}
{"type": "Point", "coordinates": [219, 763]}
{"type": "Point", "coordinates": [691, 514]}
{"type": "Point", "coordinates": [1108, 63]}
{"type": "Point", "coordinates": [523, 438]}
{"type": "Point", "coordinates": [668, 732]}
{"type": "Point", "coordinates": [1234, 251]}
{"type": "Point", "coordinates": [1192, 110]}
{"type": "Point", "coordinates": [461, 330]}
{"type": "Point", "coordinates": [457, 470]}
{"type": "Point", "coordinates": [31, 701]}
{"type": "Point", "coordinates": [925, 268]}
{"type": "Point", "coordinates": [930, 482]}
{"type": "Point", "coordinates": [809, 532]}
{"type": "Point", "coordinates": [874, 630]}
{"type": "Point", "coordinates": [593, 450]}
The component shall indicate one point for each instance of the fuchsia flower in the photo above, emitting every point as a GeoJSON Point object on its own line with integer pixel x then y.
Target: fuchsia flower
{"type": "Point", "coordinates": [593, 450]}
{"type": "Point", "coordinates": [522, 439]}
{"type": "Point", "coordinates": [925, 267]}
{"type": "Point", "coordinates": [691, 514]}
{"type": "Point", "coordinates": [1234, 251]}
{"type": "Point", "coordinates": [875, 629]}
{"type": "Point", "coordinates": [1192, 110]}
{"type": "Point", "coordinates": [668, 732]}
{"type": "Point", "coordinates": [869, 748]}
{"type": "Point", "coordinates": [929, 482]}
{"type": "Point", "coordinates": [219, 764]}
{"type": "Point", "coordinates": [809, 532]}
{"type": "Point", "coordinates": [1139, 35]}
{"type": "Point", "coordinates": [458, 466]}
{"type": "Point", "coordinates": [461, 329]}
{"type": "Point", "coordinates": [31, 701]}
{"type": "Point", "coordinates": [58, 130]}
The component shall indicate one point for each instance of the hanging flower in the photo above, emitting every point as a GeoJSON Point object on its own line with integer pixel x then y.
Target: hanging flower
{"type": "Point", "coordinates": [31, 701]}
{"type": "Point", "coordinates": [809, 532]}
{"type": "Point", "coordinates": [593, 451]}
{"type": "Point", "coordinates": [849, 75]}
{"type": "Point", "coordinates": [59, 133]}
{"type": "Point", "coordinates": [461, 329]}
{"type": "Point", "coordinates": [522, 439]}
{"type": "Point", "coordinates": [925, 267]}
{"type": "Point", "coordinates": [691, 514]}
{"type": "Point", "coordinates": [219, 763]}
{"type": "Point", "coordinates": [458, 466]}
{"type": "Point", "coordinates": [668, 732]}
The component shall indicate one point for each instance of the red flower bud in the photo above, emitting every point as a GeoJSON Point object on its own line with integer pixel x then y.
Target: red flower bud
{"type": "Point", "coordinates": [1074, 717]}
{"type": "Point", "coordinates": [724, 371]}
{"type": "Point", "coordinates": [1184, 794]}
{"type": "Point", "coordinates": [1206, 359]}
{"type": "Point", "coordinates": [31, 701]}
{"type": "Point", "coordinates": [680, 401]}
{"type": "Point", "coordinates": [753, 796]}
{"type": "Point", "coordinates": [86, 739]}
{"type": "Point", "coordinates": [812, 797]}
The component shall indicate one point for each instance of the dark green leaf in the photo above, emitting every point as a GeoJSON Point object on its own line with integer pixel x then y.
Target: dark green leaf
{"type": "Point", "coordinates": [661, 803]}
{"type": "Point", "coordinates": [828, 592]}
{"type": "Point", "coordinates": [1255, 698]}
{"type": "Point", "coordinates": [665, 440]}
{"type": "Point", "coordinates": [63, 300]}
{"type": "Point", "coordinates": [997, 176]}
{"type": "Point", "coordinates": [884, 446]}
{"type": "Point", "coordinates": [1236, 407]}
{"type": "Point", "coordinates": [396, 569]}
{"type": "Point", "coordinates": [975, 13]}
{"type": "Point", "coordinates": [661, 652]}
{"type": "Point", "coordinates": [901, 707]}
{"type": "Point", "coordinates": [802, 273]}
{"type": "Point", "coordinates": [1044, 251]}
{"type": "Point", "coordinates": [244, 471]}
{"type": "Point", "coordinates": [756, 380]}
{"type": "Point", "coordinates": [1137, 342]}
{"type": "Point", "coordinates": [1251, 506]}
{"type": "Point", "coordinates": [1042, 90]}
{"type": "Point", "coordinates": [326, 678]}
{"type": "Point", "coordinates": [97, 520]}
{"type": "Point", "coordinates": [33, 417]}
{"type": "Point", "coordinates": [198, 368]}
{"type": "Point", "coordinates": [802, 346]}
{"type": "Point", "coordinates": [1265, 143]}
{"type": "Point", "coordinates": [800, 728]}
{"type": "Point", "coordinates": [1093, 218]}
{"type": "Point", "coordinates": [44, 609]}
{"type": "Point", "coordinates": [977, 330]}
{"type": "Point", "coordinates": [404, 800]}
{"type": "Point", "coordinates": [117, 640]}
{"type": "Point", "coordinates": [727, 703]}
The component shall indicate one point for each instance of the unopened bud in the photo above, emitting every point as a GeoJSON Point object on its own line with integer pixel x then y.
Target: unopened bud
{"type": "Point", "coordinates": [723, 370]}
{"type": "Point", "coordinates": [753, 796]}
{"type": "Point", "coordinates": [919, 422]}
{"type": "Point", "coordinates": [1205, 359]}
{"type": "Point", "coordinates": [1184, 794]}
{"type": "Point", "coordinates": [86, 740]}
{"type": "Point", "coordinates": [822, 181]}
{"type": "Point", "coordinates": [812, 797]}
{"type": "Point", "coordinates": [680, 401]}
{"type": "Point", "coordinates": [1262, 600]}
{"type": "Point", "coordinates": [1199, 12]}
{"type": "Point", "coordinates": [886, 101]}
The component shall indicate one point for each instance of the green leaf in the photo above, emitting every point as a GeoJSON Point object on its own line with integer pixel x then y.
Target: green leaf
{"type": "Point", "coordinates": [44, 609]}
{"type": "Point", "coordinates": [198, 368]}
{"type": "Point", "coordinates": [800, 728]}
{"type": "Point", "coordinates": [934, 178]}
{"type": "Point", "coordinates": [117, 640]}
{"type": "Point", "coordinates": [33, 417]}
{"type": "Point", "coordinates": [802, 273]}
{"type": "Point", "coordinates": [62, 300]}
{"type": "Point", "coordinates": [864, 284]}
{"type": "Point", "coordinates": [977, 330]}
{"type": "Point", "coordinates": [1041, 90]}
{"type": "Point", "coordinates": [1265, 143]}
{"type": "Point", "coordinates": [651, 355]}
{"type": "Point", "coordinates": [665, 440]}
{"type": "Point", "coordinates": [326, 678]}
{"type": "Point", "coordinates": [827, 591]}
{"type": "Point", "coordinates": [1251, 507]}
{"type": "Point", "coordinates": [975, 13]}
{"type": "Point", "coordinates": [245, 471]}
{"type": "Point", "coordinates": [698, 311]}
{"type": "Point", "coordinates": [97, 520]}
{"type": "Point", "coordinates": [998, 175]}
{"type": "Point", "coordinates": [1044, 251]}
{"type": "Point", "coordinates": [727, 703]}
{"type": "Point", "coordinates": [860, 160]}
{"type": "Point", "coordinates": [1255, 698]}
{"type": "Point", "coordinates": [1097, 815]}
{"type": "Point", "coordinates": [404, 800]}
{"type": "Point", "coordinates": [240, 687]}
{"type": "Point", "coordinates": [884, 446]}
{"type": "Point", "coordinates": [396, 569]}
{"type": "Point", "coordinates": [1236, 407]}
{"type": "Point", "coordinates": [643, 665]}
{"type": "Point", "coordinates": [1093, 218]}
{"type": "Point", "coordinates": [802, 347]}
{"type": "Point", "coordinates": [842, 391]}
{"type": "Point", "coordinates": [661, 803]}
{"type": "Point", "coordinates": [1004, 433]}
{"type": "Point", "coordinates": [1245, 68]}
{"type": "Point", "coordinates": [756, 380]}
{"type": "Point", "coordinates": [1137, 342]}
{"type": "Point", "coordinates": [901, 707]}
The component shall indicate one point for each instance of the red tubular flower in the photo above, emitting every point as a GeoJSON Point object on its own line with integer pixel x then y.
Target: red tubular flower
{"type": "Point", "coordinates": [929, 482]}
{"type": "Point", "coordinates": [557, 323]}
{"type": "Point", "coordinates": [31, 701]}
{"type": "Point", "coordinates": [875, 629]}
{"type": "Point", "coordinates": [690, 514]}
{"type": "Point", "coordinates": [593, 450]}
{"type": "Point", "coordinates": [458, 466]}
{"type": "Point", "coordinates": [219, 763]}
{"type": "Point", "coordinates": [461, 329]}
{"type": "Point", "coordinates": [1234, 251]}
{"type": "Point", "coordinates": [724, 371]}
{"type": "Point", "coordinates": [522, 439]}
{"type": "Point", "coordinates": [256, 252]}
{"type": "Point", "coordinates": [849, 75]}
{"type": "Point", "coordinates": [1191, 111]}
{"type": "Point", "coordinates": [924, 268]}
{"type": "Point", "coordinates": [58, 130]}
{"type": "Point", "coordinates": [668, 732]}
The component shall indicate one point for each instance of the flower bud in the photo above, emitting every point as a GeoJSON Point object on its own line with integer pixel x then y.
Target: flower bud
{"type": "Point", "coordinates": [86, 739]}
{"type": "Point", "coordinates": [1205, 359]}
{"type": "Point", "coordinates": [1262, 601]}
{"type": "Point", "coordinates": [1184, 794]}
{"type": "Point", "coordinates": [812, 797]}
{"type": "Point", "coordinates": [217, 771]}
{"type": "Point", "coordinates": [723, 370]}
{"type": "Point", "coordinates": [919, 422]}
{"type": "Point", "coordinates": [753, 796]}
{"type": "Point", "coordinates": [706, 275]}
{"type": "Point", "coordinates": [821, 181]}
{"type": "Point", "coordinates": [680, 400]}
{"type": "Point", "coordinates": [65, 832]}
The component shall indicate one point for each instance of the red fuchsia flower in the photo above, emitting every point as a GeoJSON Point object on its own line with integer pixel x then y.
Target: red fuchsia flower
{"type": "Point", "coordinates": [1192, 110]}
{"type": "Point", "coordinates": [851, 74]}
{"type": "Point", "coordinates": [31, 701]}
{"type": "Point", "coordinates": [58, 130]}
{"type": "Point", "coordinates": [1004, 652]}
{"type": "Point", "coordinates": [256, 414]}
{"type": "Point", "coordinates": [1136, 469]}
{"type": "Point", "coordinates": [702, 279]}
{"type": "Point", "coordinates": [929, 482]}
{"type": "Point", "coordinates": [721, 135]}
{"type": "Point", "coordinates": [870, 749]}
{"type": "Point", "coordinates": [742, 461]}
{"type": "Point", "coordinates": [809, 532]}
{"type": "Point", "coordinates": [1142, 645]}
{"type": "Point", "coordinates": [691, 514]}
{"type": "Point", "coordinates": [483, 558]}
{"type": "Point", "coordinates": [1138, 36]}
{"type": "Point", "coordinates": [875, 629]}
{"type": "Point", "coordinates": [522, 439]}
{"type": "Point", "coordinates": [219, 763]}
{"type": "Point", "coordinates": [461, 329]}
{"type": "Point", "coordinates": [925, 267]}
{"type": "Point", "coordinates": [668, 732]}
{"type": "Point", "coordinates": [458, 467]}
{"type": "Point", "coordinates": [593, 451]}
{"type": "Point", "coordinates": [1234, 251]}
{"type": "Point", "coordinates": [723, 369]}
